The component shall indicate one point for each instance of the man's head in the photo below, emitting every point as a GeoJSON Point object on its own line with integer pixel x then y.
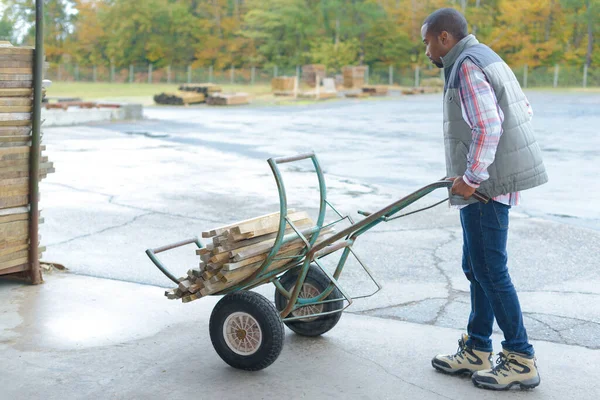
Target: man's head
{"type": "Point", "coordinates": [441, 31]}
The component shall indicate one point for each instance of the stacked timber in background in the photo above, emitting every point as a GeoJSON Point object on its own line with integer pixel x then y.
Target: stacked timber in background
{"type": "Point", "coordinates": [236, 251]}
{"type": "Point", "coordinates": [354, 77]}
{"type": "Point", "coordinates": [311, 72]}
{"type": "Point", "coordinates": [188, 94]}
{"type": "Point", "coordinates": [376, 90]}
{"type": "Point", "coordinates": [283, 85]}
{"type": "Point", "coordinates": [16, 106]}
{"type": "Point", "coordinates": [227, 99]}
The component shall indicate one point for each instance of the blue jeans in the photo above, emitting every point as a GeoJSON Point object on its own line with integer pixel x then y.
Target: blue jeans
{"type": "Point", "coordinates": [485, 232]}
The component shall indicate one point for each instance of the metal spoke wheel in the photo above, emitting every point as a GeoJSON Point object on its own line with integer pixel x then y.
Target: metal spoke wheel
{"type": "Point", "coordinates": [316, 282]}
{"type": "Point", "coordinates": [246, 331]}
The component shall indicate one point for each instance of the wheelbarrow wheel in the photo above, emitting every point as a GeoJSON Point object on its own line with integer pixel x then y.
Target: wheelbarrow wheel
{"type": "Point", "coordinates": [246, 331]}
{"type": "Point", "coordinates": [316, 282]}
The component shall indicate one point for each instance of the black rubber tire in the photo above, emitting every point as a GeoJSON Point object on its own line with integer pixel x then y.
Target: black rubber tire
{"type": "Point", "coordinates": [268, 319]}
{"type": "Point", "coordinates": [319, 280]}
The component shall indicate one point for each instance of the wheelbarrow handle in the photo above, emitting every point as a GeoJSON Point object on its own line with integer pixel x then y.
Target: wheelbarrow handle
{"type": "Point", "coordinates": [298, 157]}
{"type": "Point", "coordinates": [482, 198]}
{"type": "Point", "coordinates": [151, 253]}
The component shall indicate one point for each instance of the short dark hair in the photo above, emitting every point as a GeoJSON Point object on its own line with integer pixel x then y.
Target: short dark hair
{"type": "Point", "coordinates": [449, 20]}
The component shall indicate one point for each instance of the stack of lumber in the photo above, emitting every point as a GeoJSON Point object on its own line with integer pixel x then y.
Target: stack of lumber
{"type": "Point", "coordinates": [227, 99]}
{"type": "Point", "coordinates": [16, 103]}
{"type": "Point", "coordinates": [179, 98]}
{"type": "Point", "coordinates": [311, 72]}
{"type": "Point", "coordinates": [357, 95]}
{"type": "Point", "coordinates": [238, 250]}
{"type": "Point", "coordinates": [354, 77]}
{"type": "Point", "coordinates": [206, 89]}
{"type": "Point", "coordinates": [422, 90]}
{"type": "Point", "coordinates": [376, 90]}
{"type": "Point", "coordinates": [283, 85]}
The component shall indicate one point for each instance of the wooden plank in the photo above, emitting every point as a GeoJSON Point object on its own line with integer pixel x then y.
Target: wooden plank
{"type": "Point", "coordinates": [15, 101]}
{"type": "Point", "coordinates": [15, 140]}
{"type": "Point", "coordinates": [13, 201]}
{"type": "Point", "coordinates": [16, 57]}
{"type": "Point", "coordinates": [12, 211]}
{"type": "Point", "coordinates": [22, 50]}
{"type": "Point", "coordinates": [16, 268]}
{"type": "Point", "coordinates": [233, 244]}
{"type": "Point", "coordinates": [15, 70]}
{"type": "Point", "coordinates": [17, 116]}
{"type": "Point", "coordinates": [266, 231]}
{"type": "Point", "coordinates": [22, 174]}
{"type": "Point", "coordinates": [18, 161]}
{"type": "Point", "coordinates": [267, 223]}
{"type": "Point", "coordinates": [18, 247]}
{"type": "Point", "coordinates": [14, 217]}
{"type": "Point", "coordinates": [257, 260]}
{"type": "Point", "coordinates": [15, 130]}
{"type": "Point", "coordinates": [222, 229]}
{"type": "Point", "coordinates": [16, 84]}
{"type": "Point", "coordinates": [20, 150]}
{"type": "Point", "coordinates": [16, 92]}
{"type": "Point", "coordinates": [15, 123]}
{"type": "Point", "coordinates": [13, 256]}
{"type": "Point", "coordinates": [13, 263]}
{"type": "Point", "coordinates": [11, 231]}
{"type": "Point", "coordinates": [16, 64]}
{"type": "Point", "coordinates": [15, 109]}
{"type": "Point", "coordinates": [191, 297]}
{"type": "Point", "coordinates": [20, 168]}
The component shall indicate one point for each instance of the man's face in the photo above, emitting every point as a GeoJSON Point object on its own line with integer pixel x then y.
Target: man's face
{"type": "Point", "coordinates": [436, 46]}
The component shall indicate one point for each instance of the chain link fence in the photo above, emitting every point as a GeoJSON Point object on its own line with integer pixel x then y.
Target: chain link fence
{"type": "Point", "coordinates": [558, 76]}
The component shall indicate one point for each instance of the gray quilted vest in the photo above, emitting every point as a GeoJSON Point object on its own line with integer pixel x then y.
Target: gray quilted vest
{"type": "Point", "coordinates": [518, 164]}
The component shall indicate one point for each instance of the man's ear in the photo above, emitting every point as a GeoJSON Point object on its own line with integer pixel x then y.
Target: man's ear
{"type": "Point", "coordinates": [444, 38]}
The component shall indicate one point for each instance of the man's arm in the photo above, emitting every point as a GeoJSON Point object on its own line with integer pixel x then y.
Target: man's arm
{"type": "Point", "coordinates": [481, 111]}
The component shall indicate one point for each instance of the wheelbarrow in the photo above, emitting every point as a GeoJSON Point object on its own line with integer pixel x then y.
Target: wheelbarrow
{"type": "Point", "coordinates": [246, 329]}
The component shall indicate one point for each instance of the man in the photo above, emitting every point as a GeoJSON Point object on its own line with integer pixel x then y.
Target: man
{"type": "Point", "coordinates": [489, 147]}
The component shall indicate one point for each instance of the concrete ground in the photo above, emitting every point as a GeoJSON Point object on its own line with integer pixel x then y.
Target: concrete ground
{"type": "Point", "coordinates": [78, 337]}
{"type": "Point", "coordinates": [122, 188]}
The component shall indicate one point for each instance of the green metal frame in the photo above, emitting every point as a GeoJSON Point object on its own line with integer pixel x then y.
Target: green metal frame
{"type": "Point", "coordinates": [313, 251]}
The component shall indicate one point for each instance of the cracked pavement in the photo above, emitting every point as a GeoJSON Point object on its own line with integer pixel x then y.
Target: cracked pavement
{"type": "Point", "coordinates": [122, 188]}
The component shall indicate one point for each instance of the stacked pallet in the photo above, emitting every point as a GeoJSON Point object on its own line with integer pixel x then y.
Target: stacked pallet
{"type": "Point", "coordinates": [283, 85]}
{"type": "Point", "coordinates": [16, 103]}
{"type": "Point", "coordinates": [354, 77]}
{"type": "Point", "coordinates": [236, 251]}
{"type": "Point", "coordinates": [376, 90]}
{"type": "Point", "coordinates": [179, 98]}
{"type": "Point", "coordinates": [206, 89]}
{"type": "Point", "coordinates": [227, 99]}
{"type": "Point", "coordinates": [311, 72]}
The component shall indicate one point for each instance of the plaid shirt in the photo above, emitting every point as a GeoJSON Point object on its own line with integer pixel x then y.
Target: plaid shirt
{"type": "Point", "coordinates": [480, 109]}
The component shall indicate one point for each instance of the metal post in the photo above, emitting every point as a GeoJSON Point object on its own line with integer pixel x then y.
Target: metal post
{"type": "Point", "coordinates": [112, 70]}
{"type": "Point", "coordinates": [168, 73]}
{"type": "Point", "coordinates": [76, 72]}
{"type": "Point", "coordinates": [189, 74]}
{"type": "Point", "coordinates": [210, 74]}
{"type": "Point", "coordinates": [417, 76]}
{"type": "Point", "coordinates": [556, 75]}
{"type": "Point", "coordinates": [130, 73]}
{"type": "Point", "coordinates": [232, 75]}
{"type": "Point", "coordinates": [275, 71]}
{"type": "Point", "coordinates": [253, 75]}
{"type": "Point", "coordinates": [525, 76]}
{"type": "Point", "coordinates": [391, 75]}
{"type": "Point", "coordinates": [585, 73]}
{"type": "Point", "coordinates": [95, 73]}
{"type": "Point", "coordinates": [34, 157]}
{"type": "Point", "coordinates": [149, 73]}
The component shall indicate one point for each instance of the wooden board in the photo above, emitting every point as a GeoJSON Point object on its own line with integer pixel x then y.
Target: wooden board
{"type": "Point", "coordinates": [16, 92]}
{"type": "Point", "coordinates": [14, 248]}
{"type": "Point", "coordinates": [13, 201]}
{"type": "Point", "coordinates": [15, 109]}
{"type": "Point", "coordinates": [223, 229]}
{"type": "Point", "coordinates": [15, 123]}
{"type": "Point", "coordinates": [13, 263]}
{"type": "Point", "coordinates": [14, 141]}
{"type": "Point", "coordinates": [16, 57]}
{"type": "Point", "coordinates": [16, 84]}
{"type": "Point", "coordinates": [16, 64]}
{"type": "Point", "coordinates": [22, 50]}
{"type": "Point", "coordinates": [15, 102]}
{"type": "Point", "coordinates": [15, 70]}
{"type": "Point", "coordinates": [18, 116]}
{"type": "Point", "coordinates": [14, 130]}
{"type": "Point", "coordinates": [16, 77]}
{"type": "Point", "coordinates": [11, 231]}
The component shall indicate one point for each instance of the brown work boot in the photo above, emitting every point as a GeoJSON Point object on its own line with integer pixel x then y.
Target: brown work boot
{"type": "Point", "coordinates": [465, 361]}
{"type": "Point", "coordinates": [511, 369]}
